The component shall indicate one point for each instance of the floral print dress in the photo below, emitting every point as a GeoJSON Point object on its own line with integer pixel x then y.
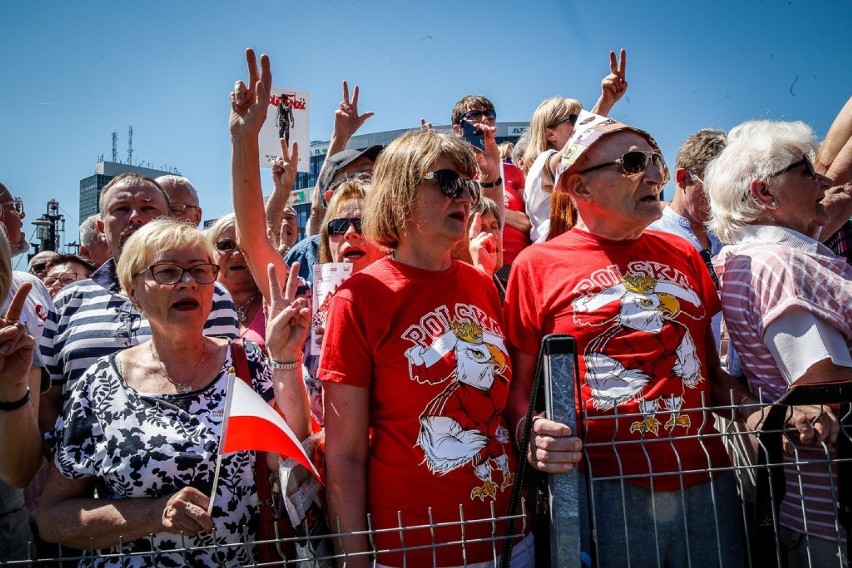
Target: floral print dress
{"type": "Point", "coordinates": [142, 445]}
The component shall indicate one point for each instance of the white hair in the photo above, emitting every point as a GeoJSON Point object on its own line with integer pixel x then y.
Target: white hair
{"type": "Point", "coordinates": [89, 230]}
{"type": "Point", "coordinates": [756, 149]}
{"type": "Point", "coordinates": [178, 181]}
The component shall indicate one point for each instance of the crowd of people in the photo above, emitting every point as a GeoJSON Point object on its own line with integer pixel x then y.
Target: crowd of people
{"type": "Point", "coordinates": [115, 363]}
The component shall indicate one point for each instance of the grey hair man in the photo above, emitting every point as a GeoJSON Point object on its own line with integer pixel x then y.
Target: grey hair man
{"type": "Point", "coordinates": [94, 318]}
{"type": "Point", "coordinates": [93, 245]}
{"type": "Point", "coordinates": [183, 198]}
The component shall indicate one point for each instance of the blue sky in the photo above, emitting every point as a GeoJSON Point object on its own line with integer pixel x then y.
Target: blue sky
{"type": "Point", "coordinates": [76, 71]}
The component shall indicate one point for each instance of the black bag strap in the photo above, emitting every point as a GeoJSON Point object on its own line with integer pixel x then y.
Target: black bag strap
{"type": "Point", "coordinates": [264, 492]}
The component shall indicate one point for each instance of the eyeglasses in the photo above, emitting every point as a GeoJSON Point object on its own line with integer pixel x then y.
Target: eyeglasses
{"type": "Point", "coordinates": [695, 177]}
{"type": "Point", "coordinates": [572, 118]}
{"type": "Point", "coordinates": [181, 209]}
{"type": "Point", "coordinates": [453, 185]}
{"type": "Point", "coordinates": [168, 273]}
{"type": "Point", "coordinates": [636, 162]}
{"type": "Point", "coordinates": [225, 245]}
{"type": "Point", "coordinates": [17, 204]}
{"type": "Point", "coordinates": [339, 226]}
{"type": "Point", "coordinates": [480, 115]}
{"type": "Point", "coordinates": [65, 279]}
{"type": "Point", "coordinates": [807, 163]}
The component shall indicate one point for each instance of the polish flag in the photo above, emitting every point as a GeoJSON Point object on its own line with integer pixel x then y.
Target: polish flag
{"type": "Point", "coordinates": [253, 424]}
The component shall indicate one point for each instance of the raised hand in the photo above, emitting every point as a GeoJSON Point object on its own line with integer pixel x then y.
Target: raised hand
{"type": "Point", "coordinates": [347, 121]}
{"type": "Point", "coordinates": [614, 85]}
{"type": "Point", "coordinates": [284, 168]}
{"type": "Point", "coordinates": [289, 316]}
{"type": "Point", "coordinates": [482, 246]}
{"type": "Point", "coordinates": [16, 348]}
{"type": "Point", "coordinates": [489, 159]}
{"type": "Point", "coordinates": [250, 102]}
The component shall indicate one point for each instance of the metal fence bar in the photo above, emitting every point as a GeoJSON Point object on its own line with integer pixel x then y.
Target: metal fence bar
{"type": "Point", "coordinates": [559, 370]}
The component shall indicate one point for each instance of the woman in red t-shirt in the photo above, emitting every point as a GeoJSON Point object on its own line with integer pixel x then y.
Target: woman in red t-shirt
{"type": "Point", "coordinates": [415, 374]}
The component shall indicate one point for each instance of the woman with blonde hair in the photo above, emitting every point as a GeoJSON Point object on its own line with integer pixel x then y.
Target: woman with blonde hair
{"type": "Point", "coordinates": [144, 425]}
{"type": "Point", "coordinates": [430, 382]}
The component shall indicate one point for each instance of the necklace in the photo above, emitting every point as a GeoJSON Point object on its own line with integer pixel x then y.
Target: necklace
{"type": "Point", "coordinates": [241, 311]}
{"type": "Point", "coordinates": [182, 388]}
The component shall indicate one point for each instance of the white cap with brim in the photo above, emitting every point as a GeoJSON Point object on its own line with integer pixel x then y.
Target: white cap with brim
{"type": "Point", "coordinates": [590, 128]}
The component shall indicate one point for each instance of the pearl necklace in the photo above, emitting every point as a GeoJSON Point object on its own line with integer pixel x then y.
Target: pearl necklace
{"type": "Point", "coordinates": [182, 388]}
{"type": "Point", "coordinates": [241, 311]}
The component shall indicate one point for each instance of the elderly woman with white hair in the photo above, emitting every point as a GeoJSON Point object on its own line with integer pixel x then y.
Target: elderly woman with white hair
{"type": "Point", "coordinates": [787, 301]}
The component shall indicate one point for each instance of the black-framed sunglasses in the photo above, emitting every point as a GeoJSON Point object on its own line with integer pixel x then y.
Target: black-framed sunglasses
{"type": "Point", "coordinates": [169, 273]}
{"type": "Point", "coordinates": [17, 204]}
{"type": "Point", "coordinates": [339, 226]}
{"type": "Point", "coordinates": [572, 118]}
{"type": "Point", "coordinates": [480, 115]}
{"type": "Point", "coordinates": [453, 185]}
{"type": "Point", "coordinates": [804, 161]}
{"type": "Point", "coordinates": [636, 162]}
{"type": "Point", "coordinates": [225, 245]}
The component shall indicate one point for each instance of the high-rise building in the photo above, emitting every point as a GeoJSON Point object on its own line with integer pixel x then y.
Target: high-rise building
{"type": "Point", "coordinates": [90, 187]}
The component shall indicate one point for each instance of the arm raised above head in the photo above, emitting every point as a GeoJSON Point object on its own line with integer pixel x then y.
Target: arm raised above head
{"type": "Point", "coordinates": [249, 104]}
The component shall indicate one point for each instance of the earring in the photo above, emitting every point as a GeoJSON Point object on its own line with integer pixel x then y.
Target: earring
{"type": "Point", "coordinates": [774, 204]}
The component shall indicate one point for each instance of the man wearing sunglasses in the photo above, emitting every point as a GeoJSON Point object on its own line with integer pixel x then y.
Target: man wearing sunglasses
{"type": "Point", "coordinates": [94, 318]}
{"type": "Point", "coordinates": [639, 307]}
{"type": "Point", "coordinates": [182, 197]}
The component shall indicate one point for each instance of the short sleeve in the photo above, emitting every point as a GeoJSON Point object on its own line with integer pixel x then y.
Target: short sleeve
{"type": "Point", "coordinates": [77, 439]}
{"type": "Point", "coordinates": [347, 356]}
{"type": "Point", "coordinates": [521, 312]}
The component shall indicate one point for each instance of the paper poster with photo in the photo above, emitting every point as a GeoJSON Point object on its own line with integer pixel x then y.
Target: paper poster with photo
{"type": "Point", "coordinates": [327, 279]}
{"type": "Point", "coordinates": [289, 117]}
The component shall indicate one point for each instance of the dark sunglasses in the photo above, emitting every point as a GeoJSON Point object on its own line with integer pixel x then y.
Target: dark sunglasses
{"type": "Point", "coordinates": [480, 115]}
{"type": "Point", "coordinates": [636, 162]}
{"type": "Point", "coordinates": [804, 161]}
{"type": "Point", "coordinates": [453, 185]}
{"type": "Point", "coordinates": [339, 226]}
{"type": "Point", "coordinates": [572, 118]}
{"type": "Point", "coordinates": [225, 245]}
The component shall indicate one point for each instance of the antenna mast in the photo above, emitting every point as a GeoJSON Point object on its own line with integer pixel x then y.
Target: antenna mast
{"type": "Point", "coordinates": [130, 145]}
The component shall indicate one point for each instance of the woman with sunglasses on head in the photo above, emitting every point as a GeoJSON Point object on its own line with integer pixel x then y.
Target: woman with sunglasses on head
{"type": "Point", "coordinates": [143, 426]}
{"type": "Point", "coordinates": [551, 126]}
{"type": "Point", "coordinates": [413, 352]}
{"type": "Point", "coordinates": [787, 302]}
{"type": "Point", "coordinates": [236, 276]}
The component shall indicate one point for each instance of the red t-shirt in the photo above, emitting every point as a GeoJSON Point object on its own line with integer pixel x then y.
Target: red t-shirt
{"type": "Point", "coordinates": [430, 347]}
{"type": "Point", "coordinates": [640, 312]}
{"type": "Point", "coordinates": [514, 241]}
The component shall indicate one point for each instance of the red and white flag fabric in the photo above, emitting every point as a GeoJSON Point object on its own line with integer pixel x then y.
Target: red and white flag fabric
{"type": "Point", "coordinates": [252, 424]}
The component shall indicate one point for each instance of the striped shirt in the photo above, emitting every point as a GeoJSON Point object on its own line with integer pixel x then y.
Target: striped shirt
{"type": "Point", "coordinates": [771, 271]}
{"type": "Point", "coordinates": [93, 318]}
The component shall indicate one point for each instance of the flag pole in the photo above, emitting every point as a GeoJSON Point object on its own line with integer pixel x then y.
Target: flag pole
{"type": "Point", "coordinates": [229, 394]}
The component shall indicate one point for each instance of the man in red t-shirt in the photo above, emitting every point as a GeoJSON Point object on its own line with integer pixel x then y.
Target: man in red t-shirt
{"type": "Point", "coordinates": [639, 306]}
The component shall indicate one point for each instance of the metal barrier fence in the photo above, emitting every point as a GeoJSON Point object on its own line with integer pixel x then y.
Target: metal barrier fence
{"type": "Point", "coordinates": [763, 472]}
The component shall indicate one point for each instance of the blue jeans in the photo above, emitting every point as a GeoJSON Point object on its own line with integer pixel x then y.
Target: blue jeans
{"type": "Point", "coordinates": [637, 527]}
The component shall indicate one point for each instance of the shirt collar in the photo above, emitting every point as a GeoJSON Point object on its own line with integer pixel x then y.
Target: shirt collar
{"type": "Point", "coordinates": [107, 277]}
{"type": "Point", "coordinates": [783, 236]}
